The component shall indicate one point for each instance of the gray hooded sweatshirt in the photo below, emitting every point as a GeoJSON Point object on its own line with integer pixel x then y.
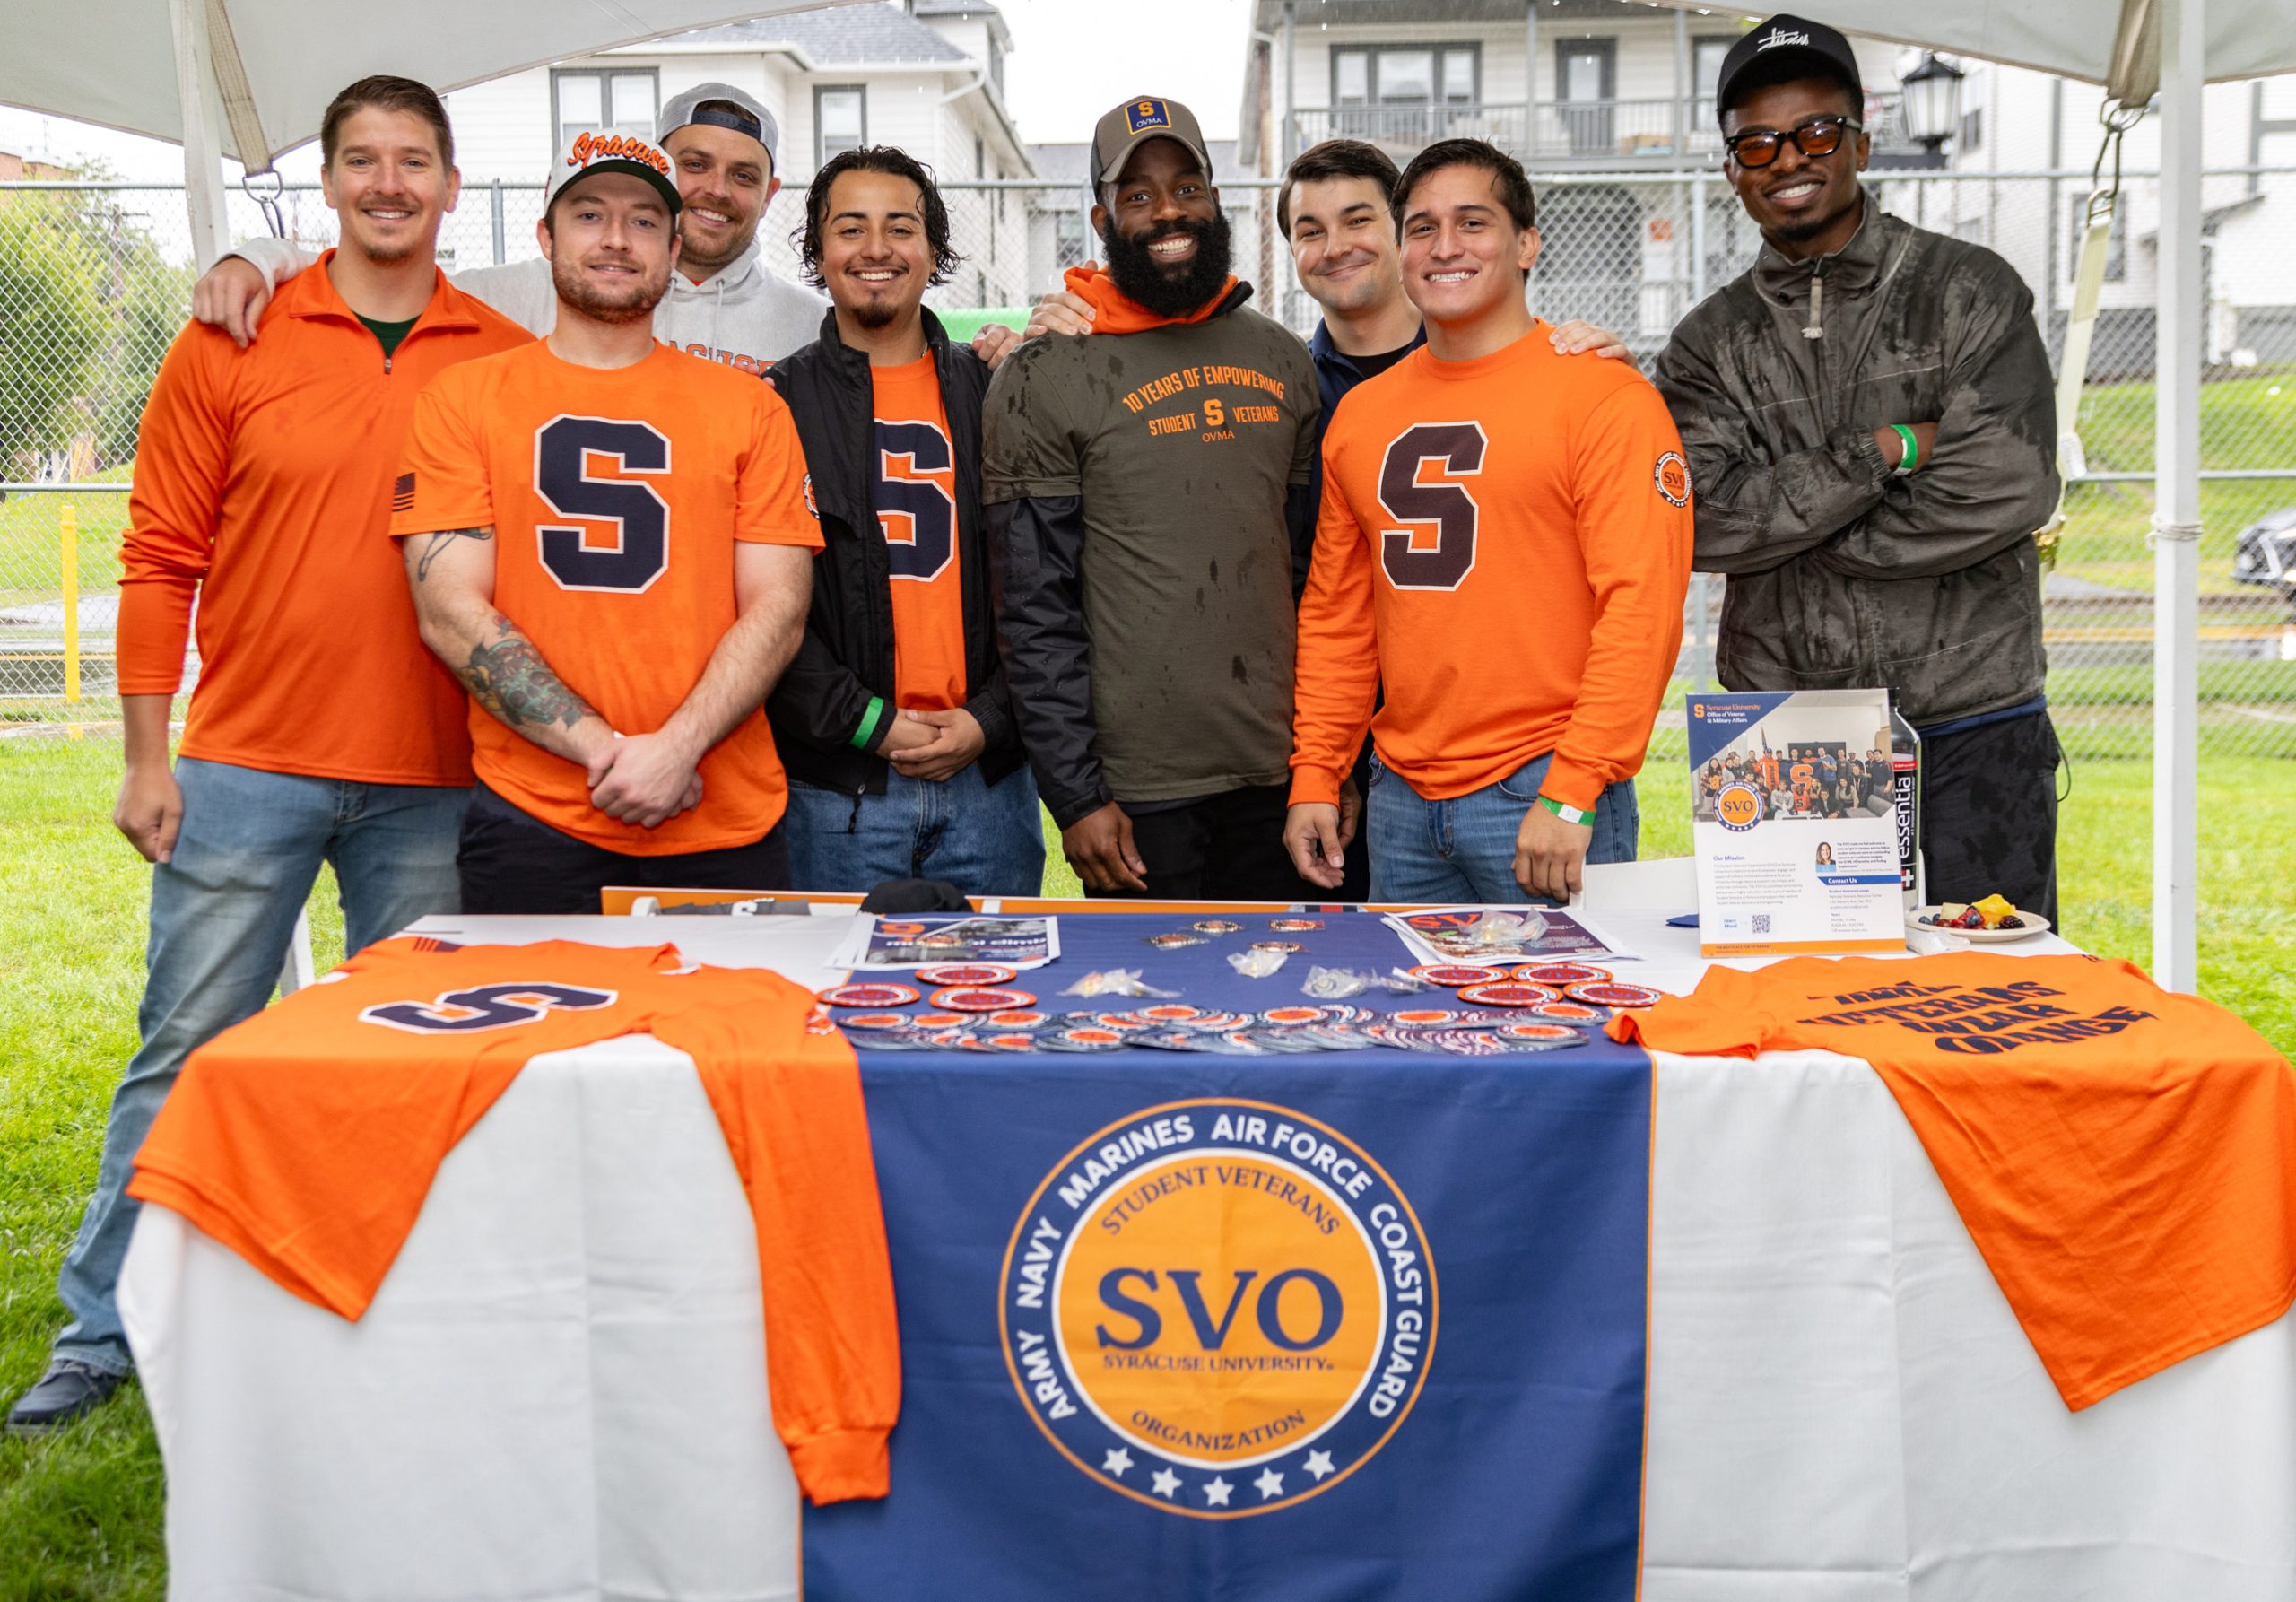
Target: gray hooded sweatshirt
{"type": "Point", "coordinates": [743, 315]}
{"type": "Point", "coordinates": [1841, 574]}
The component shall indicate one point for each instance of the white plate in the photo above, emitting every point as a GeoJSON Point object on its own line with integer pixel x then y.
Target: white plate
{"type": "Point", "coordinates": [2035, 924]}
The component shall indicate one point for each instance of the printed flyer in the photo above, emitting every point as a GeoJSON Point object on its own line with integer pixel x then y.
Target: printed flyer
{"type": "Point", "coordinates": [922, 939]}
{"type": "Point", "coordinates": [1794, 819]}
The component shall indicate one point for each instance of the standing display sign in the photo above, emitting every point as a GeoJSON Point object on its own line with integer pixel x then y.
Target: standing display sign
{"type": "Point", "coordinates": [1794, 818]}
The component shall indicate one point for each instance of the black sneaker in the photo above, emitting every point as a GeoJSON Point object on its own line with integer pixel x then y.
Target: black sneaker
{"type": "Point", "coordinates": [69, 1390]}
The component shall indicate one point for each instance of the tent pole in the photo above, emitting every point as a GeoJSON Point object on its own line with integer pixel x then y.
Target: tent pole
{"type": "Point", "coordinates": [2175, 517]}
{"type": "Point", "coordinates": [203, 115]}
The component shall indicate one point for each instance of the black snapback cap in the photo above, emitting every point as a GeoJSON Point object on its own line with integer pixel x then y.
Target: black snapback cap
{"type": "Point", "coordinates": [1819, 49]}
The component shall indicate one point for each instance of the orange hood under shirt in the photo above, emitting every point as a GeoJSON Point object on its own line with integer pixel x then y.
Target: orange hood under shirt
{"type": "Point", "coordinates": [2123, 1157]}
{"type": "Point", "coordinates": [1118, 313]}
{"type": "Point", "coordinates": [1504, 545]}
{"type": "Point", "coordinates": [411, 1041]}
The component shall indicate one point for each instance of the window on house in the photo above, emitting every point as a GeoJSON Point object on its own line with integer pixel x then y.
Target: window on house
{"type": "Point", "coordinates": [1068, 247]}
{"type": "Point", "coordinates": [1705, 73]}
{"type": "Point", "coordinates": [840, 119]}
{"type": "Point", "coordinates": [2116, 242]}
{"type": "Point", "coordinates": [1972, 137]}
{"type": "Point", "coordinates": [1402, 93]}
{"type": "Point", "coordinates": [620, 102]}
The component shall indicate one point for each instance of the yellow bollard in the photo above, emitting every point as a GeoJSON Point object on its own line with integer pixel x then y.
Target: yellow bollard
{"type": "Point", "coordinates": [67, 529]}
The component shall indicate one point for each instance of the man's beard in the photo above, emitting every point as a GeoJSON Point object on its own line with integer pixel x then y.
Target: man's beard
{"type": "Point", "coordinates": [1143, 279]}
{"type": "Point", "coordinates": [1806, 227]}
{"type": "Point", "coordinates": [873, 315]}
{"type": "Point", "coordinates": [629, 304]}
{"type": "Point", "coordinates": [695, 255]}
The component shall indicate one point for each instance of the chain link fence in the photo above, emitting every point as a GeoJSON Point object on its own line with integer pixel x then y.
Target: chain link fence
{"type": "Point", "coordinates": [94, 280]}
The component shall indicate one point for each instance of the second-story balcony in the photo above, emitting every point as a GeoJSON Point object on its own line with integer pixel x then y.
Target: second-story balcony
{"type": "Point", "coordinates": [1550, 134]}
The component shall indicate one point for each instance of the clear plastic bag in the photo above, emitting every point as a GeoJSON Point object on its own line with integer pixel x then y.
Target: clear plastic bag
{"type": "Point", "coordinates": [1257, 963]}
{"type": "Point", "coordinates": [1115, 981]}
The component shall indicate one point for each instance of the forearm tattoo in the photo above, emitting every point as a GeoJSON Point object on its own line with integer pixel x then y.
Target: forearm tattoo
{"type": "Point", "coordinates": [437, 543]}
{"type": "Point", "coordinates": [510, 680]}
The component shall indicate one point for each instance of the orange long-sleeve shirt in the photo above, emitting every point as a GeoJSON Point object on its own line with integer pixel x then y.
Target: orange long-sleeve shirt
{"type": "Point", "coordinates": [262, 482]}
{"type": "Point", "coordinates": [307, 1137]}
{"type": "Point", "coordinates": [1504, 545]}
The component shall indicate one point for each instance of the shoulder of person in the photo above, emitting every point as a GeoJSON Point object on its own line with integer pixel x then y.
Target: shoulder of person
{"type": "Point", "coordinates": [1939, 264]}
{"type": "Point", "coordinates": [796, 296]}
{"type": "Point", "coordinates": [1048, 359]}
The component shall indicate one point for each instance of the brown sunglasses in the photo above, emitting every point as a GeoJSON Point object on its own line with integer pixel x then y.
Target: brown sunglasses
{"type": "Point", "coordinates": [1819, 136]}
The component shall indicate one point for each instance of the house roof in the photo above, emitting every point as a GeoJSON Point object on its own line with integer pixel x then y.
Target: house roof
{"type": "Point", "coordinates": [840, 35]}
{"type": "Point", "coordinates": [962, 9]}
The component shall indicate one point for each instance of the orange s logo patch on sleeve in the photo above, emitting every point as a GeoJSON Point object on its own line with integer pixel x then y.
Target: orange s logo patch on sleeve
{"type": "Point", "coordinates": [1672, 475]}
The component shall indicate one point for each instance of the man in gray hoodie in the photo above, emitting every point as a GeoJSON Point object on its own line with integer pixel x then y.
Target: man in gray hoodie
{"type": "Point", "coordinates": [723, 304]}
{"type": "Point", "coordinates": [1871, 427]}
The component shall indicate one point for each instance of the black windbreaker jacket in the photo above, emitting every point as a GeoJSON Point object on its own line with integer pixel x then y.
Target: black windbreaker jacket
{"type": "Point", "coordinates": [846, 656]}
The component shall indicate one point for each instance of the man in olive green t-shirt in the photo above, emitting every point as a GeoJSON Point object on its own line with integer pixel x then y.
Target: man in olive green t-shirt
{"type": "Point", "coordinates": [1149, 524]}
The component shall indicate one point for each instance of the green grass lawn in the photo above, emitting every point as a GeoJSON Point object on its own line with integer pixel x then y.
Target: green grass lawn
{"type": "Point", "coordinates": [80, 1515]}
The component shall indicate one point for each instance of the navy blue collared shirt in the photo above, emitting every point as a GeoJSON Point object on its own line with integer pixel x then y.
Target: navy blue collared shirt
{"type": "Point", "coordinates": [1337, 374]}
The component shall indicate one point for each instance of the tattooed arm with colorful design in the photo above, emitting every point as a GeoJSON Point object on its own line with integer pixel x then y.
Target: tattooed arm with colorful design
{"type": "Point", "coordinates": [451, 573]}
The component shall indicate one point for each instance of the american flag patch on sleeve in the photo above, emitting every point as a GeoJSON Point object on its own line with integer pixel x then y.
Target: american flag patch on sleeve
{"type": "Point", "coordinates": [402, 494]}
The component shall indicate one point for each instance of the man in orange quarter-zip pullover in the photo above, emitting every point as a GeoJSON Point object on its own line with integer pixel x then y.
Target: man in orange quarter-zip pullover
{"type": "Point", "coordinates": [320, 730]}
{"type": "Point", "coordinates": [1504, 544]}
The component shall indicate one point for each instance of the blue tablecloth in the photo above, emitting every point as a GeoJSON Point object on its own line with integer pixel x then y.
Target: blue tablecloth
{"type": "Point", "coordinates": [1363, 1324]}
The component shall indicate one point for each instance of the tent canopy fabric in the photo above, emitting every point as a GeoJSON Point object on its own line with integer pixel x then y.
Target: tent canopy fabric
{"type": "Point", "coordinates": [2245, 39]}
{"type": "Point", "coordinates": [115, 64]}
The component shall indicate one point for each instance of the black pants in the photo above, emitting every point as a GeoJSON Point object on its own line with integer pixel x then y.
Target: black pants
{"type": "Point", "coordinates": [1988, 813]}
{"type": "Point", "coordinates": [510, 862]}
{"type": "Point", "coordinates": [1225, 847]}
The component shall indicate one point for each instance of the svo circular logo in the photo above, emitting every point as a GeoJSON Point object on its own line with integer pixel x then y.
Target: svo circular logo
{"type": "Point", "coordinates": [1218, 1306]}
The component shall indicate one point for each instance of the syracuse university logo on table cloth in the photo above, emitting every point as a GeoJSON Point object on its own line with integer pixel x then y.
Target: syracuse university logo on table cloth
{"type": "Point", "coordinates": [1361, 1324]}
{"type": "Point", "coordinates": [1226, 1308]}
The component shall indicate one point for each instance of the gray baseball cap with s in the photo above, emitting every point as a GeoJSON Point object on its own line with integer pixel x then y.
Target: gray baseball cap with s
{"type": "Point", "coordinates": [1132, 124]}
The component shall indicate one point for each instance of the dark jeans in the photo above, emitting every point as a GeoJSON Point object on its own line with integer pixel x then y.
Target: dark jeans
{"type": "Point", "coordinates": [1225, 847]}
{"type": "Point", "coordinates": [1988, 813]}
{"type": "Point", "coordinates": [510, 862]}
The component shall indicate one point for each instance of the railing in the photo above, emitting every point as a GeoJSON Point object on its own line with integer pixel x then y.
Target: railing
{"type": "Point", "coordinates": [1561, 131]}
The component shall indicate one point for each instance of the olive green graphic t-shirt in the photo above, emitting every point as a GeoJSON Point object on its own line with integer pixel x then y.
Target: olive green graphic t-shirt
{"type": "Point", "coordinates": [1181, 441]}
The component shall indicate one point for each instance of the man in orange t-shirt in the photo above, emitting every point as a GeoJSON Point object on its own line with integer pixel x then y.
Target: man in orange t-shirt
{"type": "Point", "coordinates": [319, 730]}
{"type": "Point", "coordinates": [1503, 549]}
{"type": "Point", "coordinates": [894, 718]}
{"type": "Point", "coordinates": [650, 584]}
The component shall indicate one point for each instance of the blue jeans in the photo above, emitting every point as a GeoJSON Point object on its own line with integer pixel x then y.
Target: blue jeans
{"type": "Point", "coordinates": [986, 840]}
{"type": "Point", "coordinates": [224, 911]}
{"type": "Point", "coordinates": [1462, 851]}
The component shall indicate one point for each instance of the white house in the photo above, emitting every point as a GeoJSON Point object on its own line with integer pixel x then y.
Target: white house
{"type": "Point", "coordinates": [927, 76]}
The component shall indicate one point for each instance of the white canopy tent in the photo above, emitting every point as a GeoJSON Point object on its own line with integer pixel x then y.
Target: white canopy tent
{"type": "Point", "coordinates": [2136, 48]}
{"type": "Point", "coordinates": [250, 78]}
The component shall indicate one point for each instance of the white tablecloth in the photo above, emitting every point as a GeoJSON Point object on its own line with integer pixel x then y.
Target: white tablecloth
{"type": "Point", "coordinates": [558, 1392]}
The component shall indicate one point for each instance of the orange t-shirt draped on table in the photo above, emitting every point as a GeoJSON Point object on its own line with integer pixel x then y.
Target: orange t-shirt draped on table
{"type": "Point", "coordinates": [307, 1137]}
{"type": "Point", "coordinates": [2123, 1157]}
{"type": "Point", "coordinates": [616, 497]}
{"type": "Point", "coordinates": [914, 496]}
{"type": "Point", "coordinates": [1502, 550]}
{"type": "Point", "coordinates": [262, 487]}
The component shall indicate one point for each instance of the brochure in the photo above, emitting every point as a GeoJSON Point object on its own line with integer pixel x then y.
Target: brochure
{"type": "Point", "coordinates": [915, 940]}
{"type": "Point", "coordinates": [1794, 822]}
{"type": "Point", "coordinates": [1509, 935]}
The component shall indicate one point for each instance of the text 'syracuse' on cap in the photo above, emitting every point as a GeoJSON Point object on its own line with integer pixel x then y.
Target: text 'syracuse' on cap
{"type": "Point", "coordinates": [593, 151]}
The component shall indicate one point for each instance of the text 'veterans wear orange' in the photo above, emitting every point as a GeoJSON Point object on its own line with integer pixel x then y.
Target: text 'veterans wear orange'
{"type": "Point", "coordinates": [406, 1046]}
{"type": "Point", "coordinates": [1503, 548]}
{"type": "Point", "coordinates": [616, 496]}
{"type": "Point", "coordinates": [262, 487]}
{"type": "Point", "coordinates": [2123, 1157]}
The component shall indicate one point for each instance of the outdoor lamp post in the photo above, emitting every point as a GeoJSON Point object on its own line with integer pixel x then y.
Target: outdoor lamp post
{"type": "Point", "coordinates": [1931, 104]}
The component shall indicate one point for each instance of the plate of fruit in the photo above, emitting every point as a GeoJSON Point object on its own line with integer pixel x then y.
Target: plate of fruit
{"type": "Point", "coordinates": [1990, 922]}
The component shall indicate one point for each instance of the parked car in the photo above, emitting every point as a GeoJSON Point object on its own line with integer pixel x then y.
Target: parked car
{"type": "Point", "coordinates": [2266, 553]}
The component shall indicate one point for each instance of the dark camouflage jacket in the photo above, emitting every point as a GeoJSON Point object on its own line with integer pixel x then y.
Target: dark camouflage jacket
{"type": "Point", "coordinates": [1840, 574]}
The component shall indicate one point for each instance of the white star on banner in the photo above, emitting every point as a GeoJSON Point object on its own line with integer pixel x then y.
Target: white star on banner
{"type": "Point", "coordinates": [1215, 1494]}
{"type": "Point", "coordinates": [1166, 1482]}
{"type": "Point", "coordinates": [1117, 1461]}
{"type": "Point", "coordinates": [1270, 1484]}
{"type": "Point", "coordinates": [1319, 1464]}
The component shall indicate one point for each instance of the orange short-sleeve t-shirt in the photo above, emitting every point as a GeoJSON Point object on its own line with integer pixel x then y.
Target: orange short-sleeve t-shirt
{"type": "Point", "coordinates": [616, 497]}
{"type": "Point", "coordinates": [914, 496]}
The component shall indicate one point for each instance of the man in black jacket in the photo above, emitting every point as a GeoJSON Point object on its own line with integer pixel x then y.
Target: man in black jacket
{"type": "Point", "coordinates": [1149, 511]}
{"type": "Point", "coordinates": [893, 719]}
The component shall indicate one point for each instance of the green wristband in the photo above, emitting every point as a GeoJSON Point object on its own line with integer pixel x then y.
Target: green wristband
{"type": "Point", "coordinates": [1569, 814]}
{"type": "Point", "coordinates": [869, 719]}
{"type": "Point", "coordinates": [1909, 456]}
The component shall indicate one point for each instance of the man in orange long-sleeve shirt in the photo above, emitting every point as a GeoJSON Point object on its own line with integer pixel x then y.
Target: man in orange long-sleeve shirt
{"type": "Point", "coordinates": [320, 729]}
{"type": "Point", "coordinates": [1504, 542]}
